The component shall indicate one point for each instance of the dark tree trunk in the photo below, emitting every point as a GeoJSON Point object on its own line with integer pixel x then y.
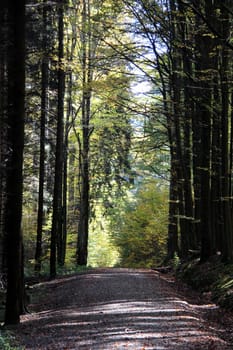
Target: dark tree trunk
{"type": "Point", "coordinates": [205, 106]}
{"type": "Point", "coordinates": [64, 206]}
{"type": "Point", "coordinates": [55, 248]}
{"type": "Point", "coordinates": [44, 108]}
{"type": "Point", "coordinates": [172, 242]}
{"type": "Point", "coordinates": [83, 227]}
{"type": "Point", "coordinates": [15, 121]}
{"type": "Point", "coordinates": [187, 38]}
{"type": "Point", "coordinates": [181, 136]}
{"type": "Point", "coordinates": [216, 210]}
{"type": "Point", "coordinates": [225, 72]}
{"type": "Point", "coordinates": [64, 197]}
{"type": "Point", "coordinates": [3, 130]}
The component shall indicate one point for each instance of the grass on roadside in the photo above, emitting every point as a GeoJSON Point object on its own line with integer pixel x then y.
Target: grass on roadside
{"type": "Point", "coordinates": [6, 341]}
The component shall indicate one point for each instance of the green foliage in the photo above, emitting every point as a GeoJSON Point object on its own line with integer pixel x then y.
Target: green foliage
{"type": "Point", "coordinates": [223, 288]}
{"type": "Point", "coordinates": [6, 340]}
{"type": "Point", "coordinates": [139, 229]}
{"type": "Point", "coordinates": [29, 227]}
{"type": "Point", "coordinates": [71, 268]}
{"type": "Point", "coordinates": [212, 276]}
{"type": "Point", "coordinates": [200, 276]}
{"type": "Point", "coordinates": [175, 262]}
{"type": "Point", "coordinates": [102, 251]}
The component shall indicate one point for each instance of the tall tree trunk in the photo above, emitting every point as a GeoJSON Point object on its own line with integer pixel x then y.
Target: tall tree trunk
{"type": "Point", "coordinates": [55, 247]}
{"type": "Point", "coordinates": [69, 110]}
{"type": "Point", "coordinates": [225, 186]}
{"type": "Point", "coordinates": [83, 227]}
{"type": "Point", "coordinates": [182, 132]}
{"type": "Point", "coordinates": [15, 120]}
{"type": "Point", "coordinates": [44, 109]}
{"type": "Point", "coordinates": [3, 130]}
{"type": "Point", "coordinates": [172, 241]}
{"type": "Point", "coordinates": [64, 197]}
{"type": "Point", "coordinates": [187, 38]}
{"type": "Point", "coordinates": [205, 103]}
{"type": "Point", "coordinates": [216, 210]}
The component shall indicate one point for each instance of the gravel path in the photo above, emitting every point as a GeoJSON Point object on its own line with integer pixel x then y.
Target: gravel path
{"type": "Point", "coordinates": [115, 309]}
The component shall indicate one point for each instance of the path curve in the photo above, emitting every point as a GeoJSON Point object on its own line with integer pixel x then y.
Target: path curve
{"type": "Point", "coordinates": [107, 309]}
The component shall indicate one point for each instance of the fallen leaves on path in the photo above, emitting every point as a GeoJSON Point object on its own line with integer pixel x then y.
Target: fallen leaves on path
{"type": "Point", "coordinates": [107, 309]}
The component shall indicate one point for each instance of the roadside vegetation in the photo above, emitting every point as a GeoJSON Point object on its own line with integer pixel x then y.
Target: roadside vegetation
{"type": "Point", "coordinates": [213, 279]}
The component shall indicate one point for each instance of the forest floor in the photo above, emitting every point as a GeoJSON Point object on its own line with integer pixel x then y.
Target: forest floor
{"type": "Point", "coordinates": [105, 309]}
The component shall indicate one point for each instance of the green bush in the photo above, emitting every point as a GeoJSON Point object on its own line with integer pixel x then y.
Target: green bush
{"type": "Point", "coordinates": [6, 340]}
{"type": "Point", "coordinates": [139, 229]}
{"type": "Point", "coordinates": [212, 276]}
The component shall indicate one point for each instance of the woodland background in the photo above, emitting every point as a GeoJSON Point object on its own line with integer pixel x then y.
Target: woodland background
{"type": "Point", "coordinates": [116, 136]}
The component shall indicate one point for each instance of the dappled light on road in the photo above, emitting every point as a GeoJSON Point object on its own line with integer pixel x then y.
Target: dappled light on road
{"type": "Point", "coordinates": [116, 310]}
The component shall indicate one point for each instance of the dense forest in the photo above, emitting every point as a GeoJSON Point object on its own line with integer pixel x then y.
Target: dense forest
{"type": "Point", "coordinates": [116, 135]}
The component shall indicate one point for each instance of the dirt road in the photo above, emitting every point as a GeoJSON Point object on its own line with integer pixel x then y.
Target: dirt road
{"type": "Point", "coordinates": [115, 309]}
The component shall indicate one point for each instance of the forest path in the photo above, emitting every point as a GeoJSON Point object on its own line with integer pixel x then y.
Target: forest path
{"type": "Point", "coordinates": [107, 309]}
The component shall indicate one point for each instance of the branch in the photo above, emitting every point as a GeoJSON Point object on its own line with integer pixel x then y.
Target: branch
{"type": "Point", "coordinates": [212, 29]}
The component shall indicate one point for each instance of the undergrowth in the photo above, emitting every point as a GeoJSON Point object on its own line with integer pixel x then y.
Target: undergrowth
{"type": "Point", "coordinates": [6, 341]}
{"type": "Point", "coordinates": [67, 269]}
{"type": "Point", "coordinates": [213, 277]}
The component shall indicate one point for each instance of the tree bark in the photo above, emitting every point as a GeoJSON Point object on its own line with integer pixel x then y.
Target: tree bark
{"type": "Point", "coordinates": [3, 130]}
{"type": "Point", "coordinates": [44, 109]}
{"type": "Point", "coordinates": [15, 121]}
{"type": "Point", "coordinates": [55, 247]}
{"type": "Point", "coordinates": [205, 106]}
{"type": "Point", "coordinates": [225, 71]}
{"type": "Point", "coordinates": [83, 227]}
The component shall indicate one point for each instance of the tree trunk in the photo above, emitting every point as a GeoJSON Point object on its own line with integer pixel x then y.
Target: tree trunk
{"type": "Point", "coordinates": [55, 247]}
{"type": "Point", "coordinates": [182, 133]}
{"type": "Point", "coordinates": [172, 242]}
{"type": "Point", "coordinates": [3, 130]}
{"type": "Point", "coordinates": [205, 106]}
{"type": "Point", "coordinates": [44, 109]}
{"type": "Point", "coordinates": [225, 72]}
{"type": "Point", "coordinates": [15, 121]}
{"type": "Point", "coordinates": [83, 227]}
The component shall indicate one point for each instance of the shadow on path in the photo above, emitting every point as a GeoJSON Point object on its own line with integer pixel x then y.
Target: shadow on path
{"type": "Point", "coordinates": [114, 309]}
